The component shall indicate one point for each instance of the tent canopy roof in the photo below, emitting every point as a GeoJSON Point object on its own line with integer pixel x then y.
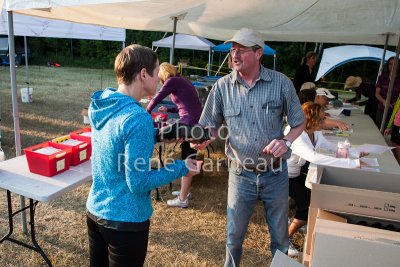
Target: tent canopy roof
{"type": "Point", "coordinates": [328, 21]}
{"type": "Point", "coordinates": [225, 48]}
{"type": "Point", "coordinates": [184, 41]}
{"type": "Point", "coordinates": [336, 56]}
{"type": "Point", "coordinates": [40, 27]}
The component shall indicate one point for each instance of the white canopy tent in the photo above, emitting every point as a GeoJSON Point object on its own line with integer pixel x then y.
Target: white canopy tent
{"type": "Point", "coordinates": [41, 27]}
{"type": "Point", "coordinates": [185, 41]}
{"type": "Point", "coordinates": [328, 21]}
{"type": "Point", "coordinates": [336, 56]}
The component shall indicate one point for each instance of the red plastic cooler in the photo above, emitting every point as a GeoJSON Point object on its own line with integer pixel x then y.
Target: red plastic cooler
{"type": "Point", "coordinates": [80, 149]}
{"type": "Point", "coordinates": [45, 159]}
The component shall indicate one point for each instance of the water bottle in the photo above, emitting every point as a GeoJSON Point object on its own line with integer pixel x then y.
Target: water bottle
{"type": "Point", "coordinates": [343, 149]}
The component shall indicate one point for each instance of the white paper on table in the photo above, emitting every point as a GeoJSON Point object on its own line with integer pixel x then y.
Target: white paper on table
{"type": "Point", "coordinates": [71, 142]}
{"type": "Point", "coordinates": [372, 148]}
{"type": "Point", "coordinates": [334, 112]}
{"type": "Point", "coordinates": [352, 108]}
{"type": "Point", "coordinates": [47, 150]}
{"type": "Point", "coordinates": [372, 162]}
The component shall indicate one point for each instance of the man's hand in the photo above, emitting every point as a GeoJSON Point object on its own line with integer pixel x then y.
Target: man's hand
{"type": "Point", "coordinates": [162, 109]}
{"type": "Point", "coordinates": [194, 167]}
{"type": "Point", "coordinates": [363, 154]}
{"type": "Point", "coordinates": [276, 148]}
{"type": "Point", "coordinates": [203, 145]}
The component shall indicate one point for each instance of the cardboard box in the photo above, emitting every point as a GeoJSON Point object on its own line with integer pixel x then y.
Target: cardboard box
{"type": "Point", "coordinates": [359, 192]}
{"type": "Point", "coordinates": [306, 259]}
{"type": "Point", "coordinates": [313, 214]}
{"type": "Point", "coordinates": [283, 260]}
{"type": "Point", "coordinates": [348, 245]}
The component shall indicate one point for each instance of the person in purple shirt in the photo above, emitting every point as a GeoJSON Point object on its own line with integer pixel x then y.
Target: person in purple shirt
{"type": "Point", "coordinates": [382, 87]}
{"type": "Point", "coordinates": [185, 96]}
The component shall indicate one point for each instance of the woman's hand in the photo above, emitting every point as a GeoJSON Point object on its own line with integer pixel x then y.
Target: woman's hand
{"type": "Point", "coordinates": [387, 131]}
{"type": "Point", "coordinates": [363, 154]}
{"type": "Point", "coordinates": [162, 109]}
{"type": "Point", "coordinates": [342, 125]}
{"type": "Point", "coordinates": [363, 164]}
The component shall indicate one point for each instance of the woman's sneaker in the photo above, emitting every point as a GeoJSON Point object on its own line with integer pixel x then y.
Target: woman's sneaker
{"type": "Point", "coordinates": [176, 202]}
{"type": "Point", "coordinates": [177, 193]}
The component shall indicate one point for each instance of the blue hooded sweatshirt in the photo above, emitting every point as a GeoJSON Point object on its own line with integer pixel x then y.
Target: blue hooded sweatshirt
{"type": "Point", "coordinates": [123, 143]}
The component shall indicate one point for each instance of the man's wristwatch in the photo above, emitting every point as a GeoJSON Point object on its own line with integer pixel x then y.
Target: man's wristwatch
{"type": "Point", "coordinates": [287, 142]}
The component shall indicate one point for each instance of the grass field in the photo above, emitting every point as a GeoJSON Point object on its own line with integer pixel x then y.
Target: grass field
{"type": "Point", "coordinates": [178, 237]}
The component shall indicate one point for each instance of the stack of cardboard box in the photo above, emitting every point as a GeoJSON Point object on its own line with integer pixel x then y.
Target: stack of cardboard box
{"type": "Point", "coordinates": [354, 219]}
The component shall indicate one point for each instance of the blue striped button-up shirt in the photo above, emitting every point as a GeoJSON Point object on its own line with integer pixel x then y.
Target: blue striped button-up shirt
{"type": "Point", "coordinates": [253, 115]}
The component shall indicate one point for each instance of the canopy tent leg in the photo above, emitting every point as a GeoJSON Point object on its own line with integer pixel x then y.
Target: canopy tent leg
{"type": "Point", "coordinates": [220, 66]}
{"type": "Point", "coordinates": [209, 63]}
{"type": "Point", "coordinates": [171, 55]}
{"type": "Point", "coordinates": [383, 58]}
{"type": "Point", "coordinates": [26, 61]}
{"type": "Point", "coordinates": [390, 89]}
{"type": "Point", "coordinates": [11, 45]}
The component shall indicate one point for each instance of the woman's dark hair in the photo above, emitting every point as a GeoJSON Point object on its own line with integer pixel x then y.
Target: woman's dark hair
{"type": "Point", "coordinates": [131, 60]}
{"type": "Point", "coordinates": [307, 95]}
{"type": "Point", "coordinates": [386, 68]}
{"type": "Point", "coordinates": [309, 55]}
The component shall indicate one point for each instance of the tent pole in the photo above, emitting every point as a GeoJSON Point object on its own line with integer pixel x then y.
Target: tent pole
{"type": "Point", "coordinates": [209, 63]}
{"type": "Point", "coordinates": [383, 57]}
{"type": "Point", "coordinates": [391, 84]}
{"type": "Point", "coordinates": [11, 45]}
{"type": "Point", "coordinates": [220, 66]}
{"type": "Point", "coordinates": [275, 62]}
{"type": "Point", "coordinates": [26, 62]}
{"type": "Point", "coordinates": [171, 55]}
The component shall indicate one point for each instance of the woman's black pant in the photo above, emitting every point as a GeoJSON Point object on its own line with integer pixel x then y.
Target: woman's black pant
{"type": "Point", "coordinates": [115, 248]}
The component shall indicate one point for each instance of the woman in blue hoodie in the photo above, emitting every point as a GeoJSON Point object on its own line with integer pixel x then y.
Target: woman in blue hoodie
{"type": "Point", "coordinates": [119, 203]}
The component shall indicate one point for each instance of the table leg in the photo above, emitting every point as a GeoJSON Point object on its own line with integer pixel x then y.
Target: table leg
{"type": "Point", "coordinates": [32, 207]}
{"type": "Point", "coordinates": [35, 247]}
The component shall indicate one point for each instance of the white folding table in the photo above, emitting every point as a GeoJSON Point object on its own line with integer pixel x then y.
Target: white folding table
{"type": "Point", "coordinates": [15, 177]}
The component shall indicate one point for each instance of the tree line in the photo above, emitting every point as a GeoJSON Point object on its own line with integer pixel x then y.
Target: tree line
{"type": "Point", "coordinates": [101, 54]}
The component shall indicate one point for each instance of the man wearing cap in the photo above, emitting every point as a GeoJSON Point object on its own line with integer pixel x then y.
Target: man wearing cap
{"type": "Point", "coordinates": [252, 101]}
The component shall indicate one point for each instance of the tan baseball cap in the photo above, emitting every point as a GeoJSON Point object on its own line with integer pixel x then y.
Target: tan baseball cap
{"type": "Point", "coordinates": [308, 86]}
{"type": "Point", "coordinates": [325, 92]}
{"type": "Point", "coordinates": [247, 37]}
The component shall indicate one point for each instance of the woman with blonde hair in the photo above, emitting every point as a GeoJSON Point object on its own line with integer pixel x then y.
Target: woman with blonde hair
{"type": "Point", "coordinates": [304, 152]}
{"type": "Point", "coordinates": [184, 96]}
